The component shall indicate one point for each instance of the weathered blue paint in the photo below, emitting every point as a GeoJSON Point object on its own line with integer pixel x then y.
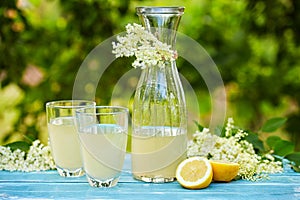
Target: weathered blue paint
{"type": "Point", "coordinates": [49, 185]}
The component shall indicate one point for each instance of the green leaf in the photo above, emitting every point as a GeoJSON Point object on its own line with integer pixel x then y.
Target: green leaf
{"type": "Point", "coordinates": [255, 141]}
{"type": "Point", "coordinates": [280, 147]}
{"type": "Point", "coordinates": [295, 160]}
{"type": "Point", "coordinates": [23, 146]}
{"type": "Point", "coordinates": [200, 128]}
{"type": "Point", "coordinates": [272, 140]}
{"type": "Point", "coordinates": [294, 157]}
{"type": "Point", "coordinates": [296, 168]}
{"type": "Point", "coordinates": [283, 148]}
{"type": "Point", "coordinates": [273, 124]}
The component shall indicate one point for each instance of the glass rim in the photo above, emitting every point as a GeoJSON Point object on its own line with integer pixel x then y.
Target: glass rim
{"type": "Point", "coordinates": [160, 10]}
{"type": "Point", "coordinates": [119, 109]}
{"type": "Point", "coordinates": [59, 103]}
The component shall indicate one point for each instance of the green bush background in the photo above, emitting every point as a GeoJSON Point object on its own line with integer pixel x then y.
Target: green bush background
{"type": "Point", "coordinates": [254, 43]}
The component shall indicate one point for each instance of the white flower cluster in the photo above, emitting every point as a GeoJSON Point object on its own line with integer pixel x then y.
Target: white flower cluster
{"type": "Point", "coordinates": [142, 44]}
{"type": "Point", "coordinates": [38, 158]}
{"type": "Point", "coordinates": [234, 149]}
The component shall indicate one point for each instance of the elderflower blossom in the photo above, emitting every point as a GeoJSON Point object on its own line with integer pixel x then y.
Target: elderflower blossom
{"type": "Point", "coordinates": [142, 44]}
{"type": "Point", "coordinates": [232, 148]}
{"type": "Point", "coordinates": [38, 158]}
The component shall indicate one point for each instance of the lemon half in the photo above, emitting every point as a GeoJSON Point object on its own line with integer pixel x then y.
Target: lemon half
{"type": "Point", "coordinates": [224, 171]}
{"type": "Point", "coordinates": [194, 173]}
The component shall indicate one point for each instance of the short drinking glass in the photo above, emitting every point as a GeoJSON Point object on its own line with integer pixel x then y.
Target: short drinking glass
{"type": "Point", "coordinates": [103, 137]}
{"type": "Point", "coordinates": [63, 136]}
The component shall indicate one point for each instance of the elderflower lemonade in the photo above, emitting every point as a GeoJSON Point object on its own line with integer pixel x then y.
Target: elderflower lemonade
{"type": "Point", "coordinates": [159, 117]}
{"type": "Point", "coordinates": [105, 162]}
{"type": "Point", "coordinates": [63, 135]}
{"type": "Point", "coordinates": [103, 137]}
{"type": "Point", "coordinates": [65, 143]}
{"type": "Point", "coordinates": [164, 151]}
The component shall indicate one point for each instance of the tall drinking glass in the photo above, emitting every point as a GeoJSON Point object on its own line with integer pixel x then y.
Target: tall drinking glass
{"type": "Point", "coordinates": [63, 136]}
{"type": "Point", "coordinates": [103, 137]}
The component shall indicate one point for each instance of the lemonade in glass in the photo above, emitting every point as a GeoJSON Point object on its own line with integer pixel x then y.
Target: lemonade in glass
{"type": "Point", "coordinates": [63, 136]}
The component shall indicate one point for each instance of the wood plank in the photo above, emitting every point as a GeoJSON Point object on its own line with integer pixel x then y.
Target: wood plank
{"type": "Point", "coordinates": [49, 185]}
{"type": "Point", "coordinates": [138, 190]}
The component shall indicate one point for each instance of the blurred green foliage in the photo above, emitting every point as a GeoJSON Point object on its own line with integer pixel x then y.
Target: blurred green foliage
{"type": "Point", "coordinates": [254, 43]}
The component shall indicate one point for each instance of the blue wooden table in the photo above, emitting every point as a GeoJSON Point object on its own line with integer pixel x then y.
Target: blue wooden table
{"type": "Point", "coordinates": [49, 185]}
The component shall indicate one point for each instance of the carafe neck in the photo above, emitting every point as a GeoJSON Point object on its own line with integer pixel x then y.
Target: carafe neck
{"type": "Point", "coordinates": [161, 21]}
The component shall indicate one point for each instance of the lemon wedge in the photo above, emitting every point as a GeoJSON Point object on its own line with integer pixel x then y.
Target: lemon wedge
{"type": "Point", "coordinates": [224, 171]}
{"type": "Point", "coordinates": [194, 173]}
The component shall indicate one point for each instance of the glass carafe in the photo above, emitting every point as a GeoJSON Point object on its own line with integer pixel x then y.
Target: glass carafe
{"type": "Point", "coordinates": [159, 136]}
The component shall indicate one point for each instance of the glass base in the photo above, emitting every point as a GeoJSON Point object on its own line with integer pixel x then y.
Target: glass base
{"type": "Point", "coordinates": [70, 173]}
{"type": "Point", "coordinates": [155, 179]}
{"type": "Point", "coordinates": [100, 183]}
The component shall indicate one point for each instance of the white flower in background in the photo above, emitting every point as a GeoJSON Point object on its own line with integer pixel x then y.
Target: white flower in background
{"type": "Point", "coordinates": [232, 148]}
{"type": "Point", "coordinates": [142, 44]}
{"type": "Point", "coordinates": [38, 158]}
